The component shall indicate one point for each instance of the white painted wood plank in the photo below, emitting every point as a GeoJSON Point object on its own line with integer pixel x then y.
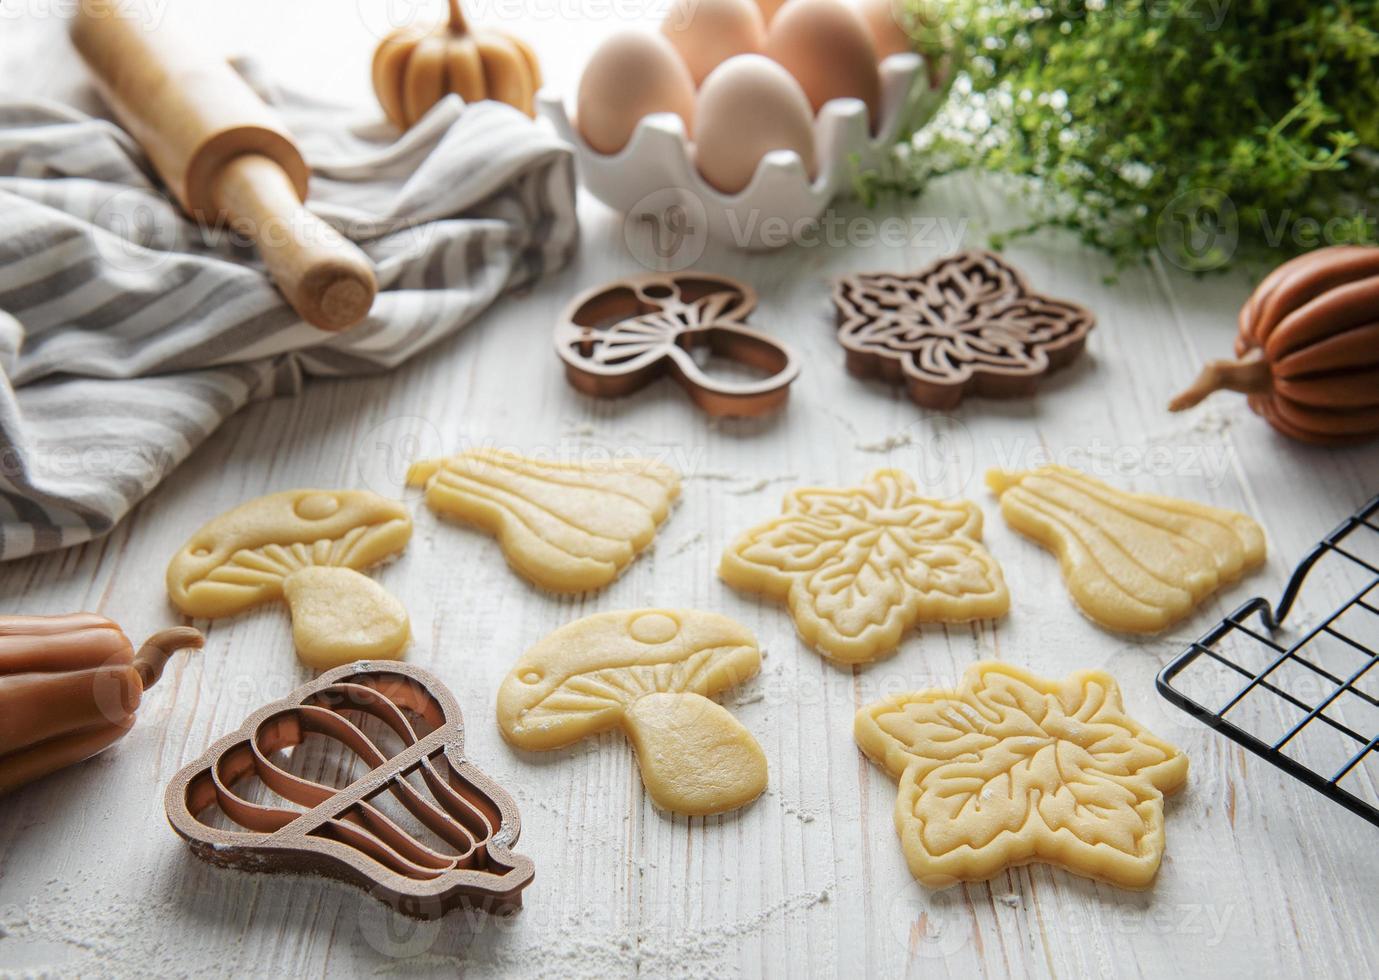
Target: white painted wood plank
{"type": "Point", "coordinates": [1262, 876]}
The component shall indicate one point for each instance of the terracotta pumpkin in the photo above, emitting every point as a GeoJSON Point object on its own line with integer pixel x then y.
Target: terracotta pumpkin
{"type": "Point", "coordinates": [416, 67]}
{"type": "Point", "coordinates": [69, 688]}
{"type": "Point", "coordinates": [1308, 349]}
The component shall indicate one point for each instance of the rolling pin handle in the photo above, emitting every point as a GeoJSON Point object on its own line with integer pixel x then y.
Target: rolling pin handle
{"type": "Point", "coordinates": [326, 278]}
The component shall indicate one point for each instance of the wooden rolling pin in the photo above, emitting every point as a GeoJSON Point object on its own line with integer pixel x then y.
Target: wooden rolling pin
{"type": "Point", "coordinates": [224, 156]}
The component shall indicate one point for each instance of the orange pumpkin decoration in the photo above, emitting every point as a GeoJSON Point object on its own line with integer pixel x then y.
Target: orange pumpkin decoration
{"type": "Point", "coordinates": [70, 687]}
{"type": "Point", "coordinates": [416, 67]}
{"type": "Point", "coordinates": [1308, 349]}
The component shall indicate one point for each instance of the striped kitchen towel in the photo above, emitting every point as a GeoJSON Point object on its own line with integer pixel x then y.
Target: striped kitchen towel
{"type": "Point", "coordinates": [127, 334]}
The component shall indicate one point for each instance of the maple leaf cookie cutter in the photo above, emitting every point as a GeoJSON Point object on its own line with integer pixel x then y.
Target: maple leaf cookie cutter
{"type": "Point", "coordinates": [968, 324]}
{"type": "Point", "coordinates": [618, 338]}
{"type": "Point", "coordinates": [302, 826]}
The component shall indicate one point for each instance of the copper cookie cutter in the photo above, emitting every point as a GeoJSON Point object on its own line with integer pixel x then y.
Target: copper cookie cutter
{"type": "Point", "coordinates": [967, 324]}
{"type": "Point", "coordinates": [619, 338]}
{"type": "Point", "coordinates": [300, 825]}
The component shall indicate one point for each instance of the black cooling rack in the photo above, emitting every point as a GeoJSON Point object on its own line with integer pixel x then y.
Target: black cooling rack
{"type": "Point", "coordinates": [1265, 673]}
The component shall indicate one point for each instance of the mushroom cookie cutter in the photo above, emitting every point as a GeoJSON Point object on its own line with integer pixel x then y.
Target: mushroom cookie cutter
{"type": "Point", "coordinates": [289, 823]}
{"type": "Point", "coordinates": [619, 338]}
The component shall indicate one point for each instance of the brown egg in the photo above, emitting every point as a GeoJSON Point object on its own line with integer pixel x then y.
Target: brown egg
{"type": "Point", "coordinates": [825, 45]}
{"type": "Point", "coordinates": [882, 18]}
{"type": "Point", "coordinates": [631, 75]}
{"type": "Point", "coordinates": [768, 9]}
{"type": "Point", "coordinates": [749, 106]}
{"type": "Point", "coordinates": [709, 32]}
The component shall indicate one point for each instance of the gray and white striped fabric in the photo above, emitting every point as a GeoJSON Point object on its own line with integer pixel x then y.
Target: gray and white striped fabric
{"type": "Point", "coordinates": [127, 334]}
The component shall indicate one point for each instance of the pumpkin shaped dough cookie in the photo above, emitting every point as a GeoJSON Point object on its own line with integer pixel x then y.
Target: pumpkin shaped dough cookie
{"type": "Point", "coordinates": [650, 672]}
{"type": "Point", "coordinates": [307, 547]}
{"type": "Point", "coordinates": [1134, 562]}
{"type": "Point", "coordinates": [860, 565]}
{"type": "Point", "coordinates": [1011, 769]}
{"type": "Point", "coordinates": [565, 527]}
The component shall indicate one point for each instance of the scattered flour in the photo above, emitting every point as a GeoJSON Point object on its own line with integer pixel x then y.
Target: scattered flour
{"type": "Point", "coordinates": [757, 486]}
{"type": "Point", "coordinates": [685, 543]}
{"type": "Point", "coordinates": [747, 484]}
{"type": "Point", "coordinates": [237, 924]}
{"type": "Point", "coordinates": [898, 440]}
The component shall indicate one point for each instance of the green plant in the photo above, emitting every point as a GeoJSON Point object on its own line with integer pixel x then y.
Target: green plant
{"type": "Point", "coordinates": [1204, 128]}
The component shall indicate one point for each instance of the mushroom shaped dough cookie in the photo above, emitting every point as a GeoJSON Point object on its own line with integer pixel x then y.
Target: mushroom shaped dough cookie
{"type": "Point", "coordinates": [650, 672]}
{"type": "Point", "coordinates": [306, 547]}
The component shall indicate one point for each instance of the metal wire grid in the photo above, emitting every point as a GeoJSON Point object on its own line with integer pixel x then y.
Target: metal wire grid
{"type": "Point", "coordinates": [1237, 626]}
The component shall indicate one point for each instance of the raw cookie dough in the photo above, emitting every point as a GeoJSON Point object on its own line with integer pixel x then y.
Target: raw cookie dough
{"type": "Point", "coordinates": [565, 527]}
{"type": "Point", "coordinates": [1133, 562]}
{"type": "Point", "coordinates": [304, 546]}
{"type": "Point", "coordinates": [650, 672]}
{"type": "Point", "coordinates": [1012, 769]}
{"type": "Point", "coordinates": [861, 565]}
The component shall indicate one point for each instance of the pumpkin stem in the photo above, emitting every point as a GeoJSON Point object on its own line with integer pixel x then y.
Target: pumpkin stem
{"type": "Point", "coordinates": [154, 654]}
{"type": "Point", "coordinates": [1250, 376]}
{"type": "Point", "coordinates": [458, 25]}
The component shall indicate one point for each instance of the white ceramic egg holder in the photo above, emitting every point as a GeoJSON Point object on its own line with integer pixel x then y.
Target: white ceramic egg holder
{"type": "Point", "coordinates": [656, 170]}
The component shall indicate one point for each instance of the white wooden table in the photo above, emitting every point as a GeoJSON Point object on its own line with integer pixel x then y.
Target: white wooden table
{"type": "Point", "coordinates": [1262, 876]}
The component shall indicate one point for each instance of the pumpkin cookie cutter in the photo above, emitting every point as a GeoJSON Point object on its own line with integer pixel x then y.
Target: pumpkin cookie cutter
{"type": "Point", "coordinates": [342, 832]}
{"type": "Point", "coordinates": [617, 339]}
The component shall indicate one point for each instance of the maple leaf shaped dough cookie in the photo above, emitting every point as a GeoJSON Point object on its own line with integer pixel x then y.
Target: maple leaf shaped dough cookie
{"type": "Point", "coordinates": [565, 527]}
{"type": "Point", "coordinates": [859, 566]}
{"type": "Point", "coordinates": [1012, 769]}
